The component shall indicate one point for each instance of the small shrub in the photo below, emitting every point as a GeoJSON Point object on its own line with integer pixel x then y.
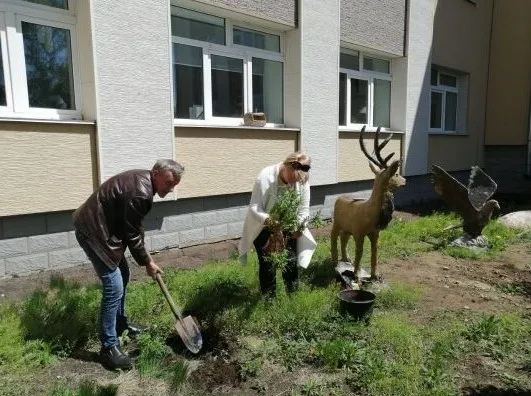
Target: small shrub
{"type": "Point", "coordinates": [64, 317]}
{"type": "Point", "coordinates": [338, 353]}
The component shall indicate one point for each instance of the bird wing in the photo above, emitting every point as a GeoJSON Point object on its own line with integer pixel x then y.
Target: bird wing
{"type": "Point", "coordinates": [480, 187]}
{"type": "Point", "coordinates": [453, 192]}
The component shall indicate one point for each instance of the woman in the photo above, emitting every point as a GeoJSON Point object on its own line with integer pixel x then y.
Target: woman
{"type": "Point", "coordinates": [292, 173]}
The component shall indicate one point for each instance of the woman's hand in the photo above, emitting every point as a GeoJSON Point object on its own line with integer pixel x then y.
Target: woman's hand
{"type": "Point", "coordinates": [296, 235]}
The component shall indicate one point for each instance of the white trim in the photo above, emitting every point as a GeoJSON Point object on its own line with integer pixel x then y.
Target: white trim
{"type": "Point", "coordinates": [366, 75]}
{"type": "Point", "coordinates": [443, 89]}
{"type": "Point", "coordinates": [5, 66]}
{"type": "Point", "coordinates": [268, 126]}
{"type": "Point", "coordinates": [231, 50]}
{"type": "Point", "coordinates": [13, 13]}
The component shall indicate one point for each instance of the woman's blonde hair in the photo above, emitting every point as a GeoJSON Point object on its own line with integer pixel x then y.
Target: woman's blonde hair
{"type": "Point", "coordinates": [302, 159]}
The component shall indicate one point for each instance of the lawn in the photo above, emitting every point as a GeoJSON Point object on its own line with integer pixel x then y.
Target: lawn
{"type": "Point", "coordinates": [447, 321]}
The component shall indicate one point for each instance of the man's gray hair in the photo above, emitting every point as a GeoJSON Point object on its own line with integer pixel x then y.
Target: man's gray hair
{"type": "Point", "coordinates": [171, 165]}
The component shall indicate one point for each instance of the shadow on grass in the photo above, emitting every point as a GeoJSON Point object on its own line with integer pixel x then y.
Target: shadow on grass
{"type": "Point", "coordinates": [207, 304]}
{"type": "Point", "coordinates": [494, 391]}
{"type": "Point", "coordinates": [321, 273]}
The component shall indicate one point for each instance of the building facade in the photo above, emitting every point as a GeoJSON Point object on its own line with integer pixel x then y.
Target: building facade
{"type": "Point", "coordinates": [90, 88]}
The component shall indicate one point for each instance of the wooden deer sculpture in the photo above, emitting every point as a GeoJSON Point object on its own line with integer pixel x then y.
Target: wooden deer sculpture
{"type": "Point", "coordinates": [360, 217]}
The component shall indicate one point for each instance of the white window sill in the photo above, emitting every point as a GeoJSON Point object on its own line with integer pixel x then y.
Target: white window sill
{"type": "Point", "coordinates": [47, 121]}
{"type": "Point", "coordinates": [368, 130]}
{"type": "Point", "coordinates": [447, 133]}
{"type": "Point", "coordinates": [268, 128]}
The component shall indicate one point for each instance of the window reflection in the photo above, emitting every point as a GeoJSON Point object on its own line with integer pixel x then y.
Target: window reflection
{"type": "Point", "coordinates": [48, 57]}
{"type": "Point", "coordinates": [3, 99]}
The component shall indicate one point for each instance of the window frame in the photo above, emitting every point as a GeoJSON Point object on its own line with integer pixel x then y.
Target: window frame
{"type": "Point", "coordinates": [236, 51]}
{"type": "Point", "coordinates": [14, 13]}
{"type": "Point", "coordinates": [369, 76]}
{"type": "Point", "coordinates": [443, 89]}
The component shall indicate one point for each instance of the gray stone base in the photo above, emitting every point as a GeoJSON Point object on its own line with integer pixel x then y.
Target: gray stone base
{"type": "Point", "coordinates": [41, 242]}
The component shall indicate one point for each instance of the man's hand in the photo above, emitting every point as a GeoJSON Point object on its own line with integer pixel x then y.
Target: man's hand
{"type": "Point", "coordinates": [152, 269]}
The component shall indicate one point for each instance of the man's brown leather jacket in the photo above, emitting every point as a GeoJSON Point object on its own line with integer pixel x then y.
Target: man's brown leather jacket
{"type": "Point", "coordinates": [111, 218]}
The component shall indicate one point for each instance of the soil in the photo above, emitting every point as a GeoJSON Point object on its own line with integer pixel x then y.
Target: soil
{"type": "Point", "coordinates": [449, 283]}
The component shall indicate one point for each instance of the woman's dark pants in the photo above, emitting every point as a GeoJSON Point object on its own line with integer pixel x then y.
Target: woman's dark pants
{"type": "Point", "coordinates": [267, 272]}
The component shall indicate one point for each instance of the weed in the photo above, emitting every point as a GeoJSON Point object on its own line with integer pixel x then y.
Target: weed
{"type": "Point", "coordinates": [17, 354]}
{"type": "Point", "coordinates": [179, 373]}
{"type": "Point", "coordinates": [398, 296]}
{"type": "Point", "coordinates": [338, 353]}
{"type": "Point", "coordinates": [153, 352]}
{"type": "Point", "coordinates": [498, 336]}
{"type": "Point", "coordinates": [86, 388]}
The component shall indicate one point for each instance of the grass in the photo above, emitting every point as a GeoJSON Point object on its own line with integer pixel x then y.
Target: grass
{"type": "Point", "coordinates": [389, 355]}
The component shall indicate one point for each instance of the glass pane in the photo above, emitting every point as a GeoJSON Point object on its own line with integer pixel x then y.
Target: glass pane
{"type": "Point", "coordinates": [48, 57]}
{"type": "Point", "coordinates": [349, 61]}
{"type": "Point", "coordinates": [197, 26]}
{"type": "Point", "coordinates": [359, 94]}
{"type": "Point", "coordinates": [3, 99]}
{"type": "Point", "coordinates": [375, 64]}
{"type": "Point", "coordinates": [252, 38]}
{"type": "Point", "coordinates": [450, 111]}
{"type": "Point", "coordinates": [434, 77]}
{"type": "Point", "coordinates": [188, 82]}
{"type": "Point", "coordinates": [268, 89]}
{"type": "Point", "coordinates": [227, 86]}
{"type": "Point", "coordinates": [436, 110]}
{"type": "Point", "coordinates": [382, 103]}
{"type": "Point", "coordinates": [52, 3]}
{"type": "Point", "coordinates": [449, 81]}
{"type": "Point", "coordinates": [342, 99]}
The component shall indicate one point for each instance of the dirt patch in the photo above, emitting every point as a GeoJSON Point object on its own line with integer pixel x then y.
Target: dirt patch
{"type": "Point", "coordinates": [216, 375]}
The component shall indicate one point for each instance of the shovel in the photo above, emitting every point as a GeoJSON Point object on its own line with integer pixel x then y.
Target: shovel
{"type": "Point", "coordinates": [186, 327]}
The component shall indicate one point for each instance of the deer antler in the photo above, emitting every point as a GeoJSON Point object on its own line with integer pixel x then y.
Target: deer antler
{"type": "Point", "coordinates": [378, 161]}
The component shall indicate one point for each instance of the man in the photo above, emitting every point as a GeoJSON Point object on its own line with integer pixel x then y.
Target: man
{"type": "Point", "coordinates": [106, 224]}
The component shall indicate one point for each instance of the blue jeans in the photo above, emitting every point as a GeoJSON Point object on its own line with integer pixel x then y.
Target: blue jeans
{"type": "Point", "coordinates": [114, 284]}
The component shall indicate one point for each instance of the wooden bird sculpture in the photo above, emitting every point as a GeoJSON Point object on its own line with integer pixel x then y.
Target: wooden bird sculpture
{"type": "Point", "coordinates": [472, 203]}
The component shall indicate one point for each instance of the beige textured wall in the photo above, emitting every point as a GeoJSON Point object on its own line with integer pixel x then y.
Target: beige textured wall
{"type": "Point", "coordinates": [45, 167]}
{"type": "Point", "coordinates": [461, 42]}
{"type": "Point", "coordinates": [225, 161]}
{"type": "Point", "coordinates": [353, 164]}
{"type": "Point", "coordinates": [509, 86]}
{"type": "Point", "coordinates": [453, 152]}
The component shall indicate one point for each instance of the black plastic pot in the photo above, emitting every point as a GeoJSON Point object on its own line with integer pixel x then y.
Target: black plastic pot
{"type": "Point", "coordinates": [356, 303]}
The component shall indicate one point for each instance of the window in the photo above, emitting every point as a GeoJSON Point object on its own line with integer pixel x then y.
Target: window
{"type": "Point", "coordinates": [38, 74]}
{"type": "Point", "coordinates": [222, 70]}
{"type": "Point", "coordinates": [444, 101]}
{"type": "Point", "coordinates": [364, 90]}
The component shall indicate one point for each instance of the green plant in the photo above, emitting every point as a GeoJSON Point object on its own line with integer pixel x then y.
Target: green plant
{"type": "Point", "coordinates": [180, 371]}
{"type": "Point", "coordinates": [64, 317]}
{"type": "Point", "coordinates": [398, 296]}
{"type": "Point", "coordinates": [283, 221]}
{"type": "Point", "coordinates": [86, 388]}
{"type": "Point", "coordinates": [153, 352]}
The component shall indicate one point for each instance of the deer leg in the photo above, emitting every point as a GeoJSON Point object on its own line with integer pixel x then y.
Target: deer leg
{"type": "Point", "coordinates": [345, 236]}
{"type": "Point", "coordinates": [357, 259]}
{"type": "Point", "coordinates": [373, 237]}
{"type": "Point", "coordinates": [333, 243]}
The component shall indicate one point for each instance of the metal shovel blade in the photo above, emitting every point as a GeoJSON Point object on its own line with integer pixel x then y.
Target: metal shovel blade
{"type": "Point", "coordinates": [190, 334]}
{"type": "Point", "coordinates": [187, 327]}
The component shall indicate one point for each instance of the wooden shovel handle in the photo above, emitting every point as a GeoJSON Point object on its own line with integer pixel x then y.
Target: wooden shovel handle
{"type": "Point", "coordinates": [164, 289]}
